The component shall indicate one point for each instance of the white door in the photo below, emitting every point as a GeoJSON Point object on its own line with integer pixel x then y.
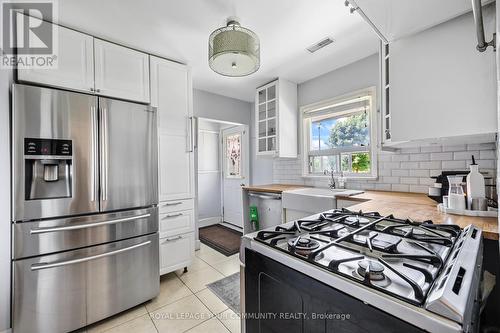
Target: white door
{"type": "Point", "coordinates": [235, 161]}
{"type": "Point", "coordinates": [75, 63]}
{"type": "Point", "coordinates": [121, 72]}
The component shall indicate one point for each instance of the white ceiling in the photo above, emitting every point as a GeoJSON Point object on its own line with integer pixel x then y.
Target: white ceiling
{"type": "Point", "coordinates": [179, 30]}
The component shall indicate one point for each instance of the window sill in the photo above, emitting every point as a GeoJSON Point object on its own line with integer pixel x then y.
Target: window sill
{"type": "Point", "coordinates": [348, 178]}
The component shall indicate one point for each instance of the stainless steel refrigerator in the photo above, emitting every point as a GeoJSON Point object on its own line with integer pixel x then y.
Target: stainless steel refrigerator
{"type": "Point", "coordinates": [84, 208]}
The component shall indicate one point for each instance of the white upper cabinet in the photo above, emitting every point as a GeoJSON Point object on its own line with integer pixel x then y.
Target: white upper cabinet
{"type": "Point", "coordinates": [399, 18]}
{"type": "Point", "coordinates": [276, 119]}
{"type": "Point", "coordinates": [121, 72]}
{"type": "Point", "coordinates": [75, 64]}
{"type": "Point", "coordinates": [171, 93]}
{"type": "Point", "coordinates": [440, 85]}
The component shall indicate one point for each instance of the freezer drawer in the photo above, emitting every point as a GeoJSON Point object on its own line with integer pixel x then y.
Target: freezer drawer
{"type": "Point", "coordinates": [66, 291]}
{"type": "Point", "coordinates": [44, 237]}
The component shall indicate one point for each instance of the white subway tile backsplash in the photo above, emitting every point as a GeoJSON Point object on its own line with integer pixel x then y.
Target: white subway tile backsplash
{"type": "Point", "coordinates": [400, 172]}
{"type": "Point", "coordinates": [409, 165]}
{"type": "Point", "coordinates": [409, 180]}
{"type": "Point", "coordinates": [430, 165]}
{"type": "Point", "coordinates": [454, 165]}
{"type": "Point", "coordinates": [487, 155]}
{"type": "Point", "coordinates": [431, 149]}
{"type": "Point", "coordinates": [420, 157]}
{"type": "Point", "coordinates": [400, 157]}
{"type": "Point", "coordinates": [420, 173]}
{"type": "Point", "coordinates": [455, 148]}
{"type": "Point", "coordinates": [407, 170]}
{"type": "Point", "coordinates": [465, 155]}
{"type": "Point", "coordinates": [401, 187]}
{"type": "Point", "coordinates": [441, 156]}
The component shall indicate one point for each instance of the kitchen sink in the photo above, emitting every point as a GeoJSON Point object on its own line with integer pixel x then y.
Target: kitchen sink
{"type": "Point", "coordinates": [311, 200]}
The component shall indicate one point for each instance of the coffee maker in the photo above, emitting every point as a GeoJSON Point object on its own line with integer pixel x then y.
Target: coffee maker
{"type": "Point", "coordinates": [48, 168]}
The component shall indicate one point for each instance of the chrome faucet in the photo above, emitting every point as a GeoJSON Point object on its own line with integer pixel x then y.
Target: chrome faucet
{"type": "Point", "coordinates": [331, 183]}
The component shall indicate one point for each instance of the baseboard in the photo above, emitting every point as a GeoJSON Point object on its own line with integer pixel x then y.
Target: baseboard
{"type": "Point", "coordinates": [7, 331]}
{"type": "Point", "coordinates": [209, 221]}
{"type": "Point", "coordinates": [232, 226]}
{"type": "Point", "coordinates": [197, 245]}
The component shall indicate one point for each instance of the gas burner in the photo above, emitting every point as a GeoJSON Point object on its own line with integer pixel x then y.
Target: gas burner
{"type": "Point", "coordinates": [371, 270]}
{"type": "Point", "coordinates": [302, 245]}
{"type": "Point", "coordinates": [355, 220]}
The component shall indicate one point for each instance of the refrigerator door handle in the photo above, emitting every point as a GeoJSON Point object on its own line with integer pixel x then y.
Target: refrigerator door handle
{"type": "Point", "coordinates": [88, 225]}
{"type": "Point", "coordinates": [36, 267]}
{"type": "Point", "coordinates": [104, 154]}
{"type": "Point", "coordinates": [94, 154]}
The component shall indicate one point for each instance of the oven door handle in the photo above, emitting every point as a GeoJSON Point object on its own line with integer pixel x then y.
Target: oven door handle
{"type": "Point", "coordinates": [85, 226]}
{"type": "Point", "coordinates": [37, 267]}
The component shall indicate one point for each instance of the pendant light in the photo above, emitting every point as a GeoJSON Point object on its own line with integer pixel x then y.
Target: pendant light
{"type": "Point", "coordinates": [234, 50]}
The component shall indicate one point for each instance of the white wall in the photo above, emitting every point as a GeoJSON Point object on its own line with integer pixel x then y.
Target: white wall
{"type": "Point", "coordinates": [209, 172]}
{"type": "Point", "coordinates": [5, 82]}
{"type": "Point", "coordinates": [442, 83]}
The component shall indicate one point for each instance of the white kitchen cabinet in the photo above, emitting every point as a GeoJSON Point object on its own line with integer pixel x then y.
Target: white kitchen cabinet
{"type": "Point", "coordinates": [75, 63]}
{"type": "Point", "coordinates": [443, 90]}
{"type": "Point", "coordinates": [172, 95]}
{"type": "Point", "coordinates": [121, 72]}
{"type": "Point", "coordinates": [276, 119]}
{"type": "Point", "coordinates": [176, 223]}
{"type": "Point", "coordinates": [176, 252]}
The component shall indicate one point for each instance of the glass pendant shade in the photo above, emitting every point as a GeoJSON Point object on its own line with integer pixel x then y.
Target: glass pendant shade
{"type": "Point", "coordinates": [234, 50]}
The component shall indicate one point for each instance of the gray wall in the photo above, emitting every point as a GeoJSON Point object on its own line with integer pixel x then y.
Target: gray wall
{"type": "Point", "coordinates": [361, 74]}
{"type": "Point", "coordinates": [217, 107]}
{"type": "Point", "coordinates": [5, 82]}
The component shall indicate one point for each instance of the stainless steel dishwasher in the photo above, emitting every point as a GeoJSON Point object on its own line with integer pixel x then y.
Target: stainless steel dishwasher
{"type": "Point", "coordinates": [269, 208]}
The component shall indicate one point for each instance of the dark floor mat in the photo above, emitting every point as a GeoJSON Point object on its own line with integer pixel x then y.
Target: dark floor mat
{"type": "Point", "coordinates": [223, 239]}
{"type": "Point", "coordinates": [228, 291]}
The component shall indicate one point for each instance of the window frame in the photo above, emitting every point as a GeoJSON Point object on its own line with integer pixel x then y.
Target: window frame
{"type": "Point", "coordinates": [368, 94]}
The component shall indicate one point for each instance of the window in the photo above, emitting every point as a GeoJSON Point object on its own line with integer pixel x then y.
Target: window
{"type": "Point", "coordinates": [339, 135]}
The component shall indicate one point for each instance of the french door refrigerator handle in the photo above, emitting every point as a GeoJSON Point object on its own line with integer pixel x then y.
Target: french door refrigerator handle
{"type": "Point", "coordinates": [190, 134]}
{"type": "Point", "coordinates": [104, 154]}
{"type": "Point", "coordinates": [88, 225]}
{"type": "Point", "coordinates": [95, 153]}
{"type": "Point", "coordinates": [36, 267]}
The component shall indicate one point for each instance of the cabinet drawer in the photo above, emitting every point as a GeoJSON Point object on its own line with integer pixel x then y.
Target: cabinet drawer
{"type": "Point", "coordinates": [176, 206]}
{"type": "Point", "coordinates": [176, 252]}
{"type": "Point", "coordinates": [176, 223]}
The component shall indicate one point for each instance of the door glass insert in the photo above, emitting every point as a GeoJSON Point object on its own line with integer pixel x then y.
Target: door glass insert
{"type": "Point", "coordinates": [271, 109]}
{"type": "Point", "coordinates": [262, 129]}
{"type": "Point", "coordinates": [233, 156]}
{"type": "Point", "coordinates": [271, 144]}
{"type": "Point", "coordinates": [262, 145]}
{"type": "Point", "coordinates": [271, 92]}
{"type": "Point", "coordinates": [262, 111]}
{"type": "Point", "coordinates": [271, 127]}
{"type": "Point", "coordinates": [262, 96]}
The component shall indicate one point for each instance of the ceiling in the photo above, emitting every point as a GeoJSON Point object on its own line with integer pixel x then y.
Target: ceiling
{"type": "Point", "coordinates": [179, 30]}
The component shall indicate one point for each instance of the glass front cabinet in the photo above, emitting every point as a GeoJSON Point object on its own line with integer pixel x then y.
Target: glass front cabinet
{"type": "Point", "coordinates": [276, 119]}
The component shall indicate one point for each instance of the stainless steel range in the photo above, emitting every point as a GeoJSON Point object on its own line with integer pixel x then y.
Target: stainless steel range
{"type": "Point", "coordinates": [361, 272]}
{"type": "Point", "coordinates": [84, 208]}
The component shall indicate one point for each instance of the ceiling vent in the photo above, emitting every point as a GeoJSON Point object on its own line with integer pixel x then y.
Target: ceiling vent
{"type": "Point", "coordinates": [321, 44]}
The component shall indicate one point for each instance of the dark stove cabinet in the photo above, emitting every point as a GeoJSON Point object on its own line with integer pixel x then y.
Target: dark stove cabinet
{"type": "Point", "coordinates": [280, 299]}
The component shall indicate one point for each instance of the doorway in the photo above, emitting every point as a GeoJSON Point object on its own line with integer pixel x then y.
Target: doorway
{"type": "Point", "coordinates": [223, 167]}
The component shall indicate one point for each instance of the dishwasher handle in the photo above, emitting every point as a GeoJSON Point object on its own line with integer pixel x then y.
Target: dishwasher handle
{"type": "Point", "coordinates": [265, 196]}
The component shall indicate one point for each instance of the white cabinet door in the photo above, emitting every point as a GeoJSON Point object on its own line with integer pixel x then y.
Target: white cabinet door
{"type": "Point", "coordinates": [172, 95]}
{"type": "Point", "coordinates": [171, 92]}
{"type": "Point", "coordinates": [75, 63]}
{"type": "Point", "coordinates": [121, 72]}
{"type": "Point", "coordinates": [176, 167]}
{"type": "Point", "coordinates": [176, 252]}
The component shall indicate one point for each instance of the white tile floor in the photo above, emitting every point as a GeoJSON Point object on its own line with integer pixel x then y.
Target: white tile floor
{"type": "Point", "coordinates": [185, 304]}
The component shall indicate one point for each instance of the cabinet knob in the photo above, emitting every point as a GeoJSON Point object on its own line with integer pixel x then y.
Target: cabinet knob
{"type": "Point", "coordinates": [98, 90]}
{"type": "Point", "coordinates": [91, 89]}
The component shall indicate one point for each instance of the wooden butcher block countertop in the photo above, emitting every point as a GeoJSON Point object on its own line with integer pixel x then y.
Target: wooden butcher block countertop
{"type": "Point", "coordinates": [273, 188]}
{"type": "Point", "coordinates": [419, 208]}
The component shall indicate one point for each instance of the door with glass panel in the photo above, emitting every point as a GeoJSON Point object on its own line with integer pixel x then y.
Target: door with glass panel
{"type": "Point", "coordinates": [235, 172]}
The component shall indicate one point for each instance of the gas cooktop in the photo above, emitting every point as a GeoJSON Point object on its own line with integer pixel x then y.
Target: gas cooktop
{"type": "Point", "coordinates": [398, 257]}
